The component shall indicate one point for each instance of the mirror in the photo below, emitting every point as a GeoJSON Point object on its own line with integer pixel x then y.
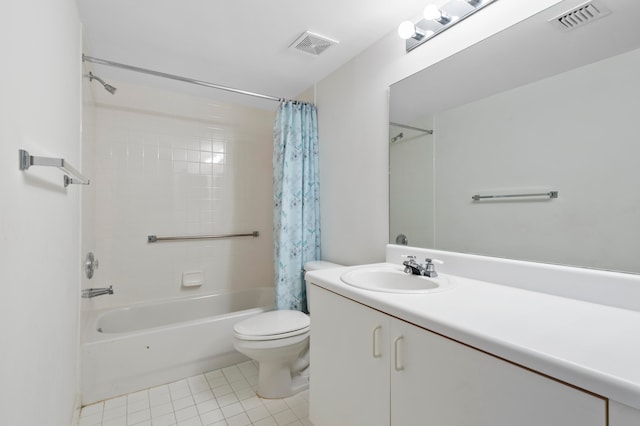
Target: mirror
{"type": "Point", "coordinates": [533, 109]}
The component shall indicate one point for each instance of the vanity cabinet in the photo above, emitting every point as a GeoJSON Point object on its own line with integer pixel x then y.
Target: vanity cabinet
{"type": "Point", "coordinates": [368, 368]}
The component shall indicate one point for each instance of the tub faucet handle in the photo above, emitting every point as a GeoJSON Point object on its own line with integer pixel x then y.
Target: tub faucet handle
{"type": "Point", "coordinates": [90, 265]}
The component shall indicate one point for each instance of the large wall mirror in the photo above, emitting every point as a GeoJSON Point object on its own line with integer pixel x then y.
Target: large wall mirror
{"type": "Point", "coordinates": [534, 109]}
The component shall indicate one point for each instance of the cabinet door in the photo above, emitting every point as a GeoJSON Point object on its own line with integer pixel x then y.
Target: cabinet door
{"type": "Point", "coordinates": [349, 382]}
{"type": "Point", "coordinates": [436, 381]}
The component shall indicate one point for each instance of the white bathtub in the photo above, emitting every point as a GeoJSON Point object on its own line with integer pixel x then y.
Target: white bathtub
{"type": "Point", "coordinates": [133, 348]}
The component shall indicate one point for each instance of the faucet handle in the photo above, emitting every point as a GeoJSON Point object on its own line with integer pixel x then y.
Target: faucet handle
{"type": "Point", "coordinates": [430, 269]}
{"type": "Point", "coordinates": [411, 260]}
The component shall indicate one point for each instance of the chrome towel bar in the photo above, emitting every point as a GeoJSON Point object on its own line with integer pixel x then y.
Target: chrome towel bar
{"type": "Point", "coordinates": [154, 238]}
{"type": "Point", "coordinates": [551, 194]}
{"type": "Point", "coordinates": [27, 161]}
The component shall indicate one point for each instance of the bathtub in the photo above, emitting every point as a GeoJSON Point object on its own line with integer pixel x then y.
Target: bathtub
{"type": "Point", "coordinates": [136, 347]}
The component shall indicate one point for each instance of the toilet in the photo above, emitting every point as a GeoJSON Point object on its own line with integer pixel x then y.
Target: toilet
{"type": "Point", "coordinates": [279, 342]}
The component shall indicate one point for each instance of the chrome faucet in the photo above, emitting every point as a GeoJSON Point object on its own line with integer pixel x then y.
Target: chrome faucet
{"type": "Point", "coordinates": [415, 268]}
{"type": "Point", "coordinates": [88, 293]}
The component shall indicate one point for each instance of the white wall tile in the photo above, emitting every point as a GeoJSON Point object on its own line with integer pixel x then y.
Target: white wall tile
{"type": "Point", "coordinates": [162, 171]}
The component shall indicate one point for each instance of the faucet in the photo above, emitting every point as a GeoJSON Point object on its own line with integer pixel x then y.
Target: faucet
{"type": "Point", "coordinates": [415, 268]}
{"type": "Point", "coordinates": [93, 292]}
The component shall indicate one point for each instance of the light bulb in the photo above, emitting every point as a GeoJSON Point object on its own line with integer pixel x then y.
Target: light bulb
{"type": "Point", "coordinates": [432, 13]}
{"type": "Point", "coordinates": [406, 30]}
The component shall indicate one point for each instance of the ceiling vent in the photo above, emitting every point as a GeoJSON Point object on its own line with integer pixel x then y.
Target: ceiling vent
{"type": "Point", "coordinates": [311, 43]}
{"type": "Point", "coordinates": [581, 15]}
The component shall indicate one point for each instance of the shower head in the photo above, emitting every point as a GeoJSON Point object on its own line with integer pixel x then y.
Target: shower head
{"type": "Point", "coordinates": [109, 88]}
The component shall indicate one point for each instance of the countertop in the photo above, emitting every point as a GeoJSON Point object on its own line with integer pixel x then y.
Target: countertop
{"type": "Point", "coordinates": [591, 346]}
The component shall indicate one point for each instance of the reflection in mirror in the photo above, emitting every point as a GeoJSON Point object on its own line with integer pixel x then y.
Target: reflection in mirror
{"type": "Point", "coordinates": [411, 184]}
{"type": "Point", "coordinates": [532, 109]}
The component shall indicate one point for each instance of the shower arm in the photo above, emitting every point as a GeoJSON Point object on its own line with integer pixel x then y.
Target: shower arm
{"type": "Point", "coordinates": [95, 77]}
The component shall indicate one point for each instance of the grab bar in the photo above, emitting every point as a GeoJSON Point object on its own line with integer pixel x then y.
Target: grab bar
{"type": "Point", "coordinates": [154, 238]}
{"type": "Point", "coordinates": [550, 194]}
{"type": "Point", "coordinates": [27, 161]}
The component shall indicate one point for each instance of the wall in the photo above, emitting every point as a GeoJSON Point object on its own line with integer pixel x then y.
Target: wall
{"type": "Point", "coordinates": [353, 121]}
{"type": "Point", "coordinates": [88, 194]}
{"type": "Point", "coordinates": [40, 82]}
{"type": "Point", "coordinates": [170, 164]}
{"type": "Point", "coordinates": [548, 135]}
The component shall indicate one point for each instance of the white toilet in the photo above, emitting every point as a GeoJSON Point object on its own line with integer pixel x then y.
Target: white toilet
{"type": "Point", "coordinates": [279, 342]}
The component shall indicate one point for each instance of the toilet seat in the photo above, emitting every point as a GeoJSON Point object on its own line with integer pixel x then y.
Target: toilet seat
{"type": "Point", "coordinates": [273, 325]}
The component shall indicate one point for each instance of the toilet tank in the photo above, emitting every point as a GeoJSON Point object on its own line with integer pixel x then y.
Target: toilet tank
{"type": "Point", "coordinates": [315, 265]}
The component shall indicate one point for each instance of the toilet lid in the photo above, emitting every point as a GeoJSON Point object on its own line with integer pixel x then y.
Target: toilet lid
{"type": "Point", "coordinates": [273, 325]}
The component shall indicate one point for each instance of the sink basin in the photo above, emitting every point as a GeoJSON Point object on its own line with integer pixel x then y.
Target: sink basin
{"type": "Point", "coordinates": [392, 279]}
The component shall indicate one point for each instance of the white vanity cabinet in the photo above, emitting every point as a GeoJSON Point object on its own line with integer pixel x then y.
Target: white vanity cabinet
{"type": "Point", "coordinates": [368, 368]}
{"type": "Point", "coordinates": [349, 382]}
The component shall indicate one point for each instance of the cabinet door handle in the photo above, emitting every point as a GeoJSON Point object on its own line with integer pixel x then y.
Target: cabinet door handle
{"type": "Point", "coordinates": [399, 366]}
{"type": "Point", "coordinates": [376, 342]}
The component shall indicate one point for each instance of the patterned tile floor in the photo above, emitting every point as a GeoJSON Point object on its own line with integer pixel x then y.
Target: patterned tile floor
{"type": "Point", "coordinates": [220, 397]}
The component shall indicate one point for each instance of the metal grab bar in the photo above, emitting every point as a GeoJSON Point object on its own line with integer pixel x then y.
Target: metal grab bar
{"type": "Point", "coordinates": [154, 238]}
{"type": "Point", "coordinates": [551, 194]}
{"type": "Point", "coordinates": [27, 161]}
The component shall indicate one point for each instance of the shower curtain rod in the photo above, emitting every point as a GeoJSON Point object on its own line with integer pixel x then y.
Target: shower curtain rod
{"type": "Point", "coordinates": [179, 78]}
{"type": "Point", "coordinates": [404, 126]}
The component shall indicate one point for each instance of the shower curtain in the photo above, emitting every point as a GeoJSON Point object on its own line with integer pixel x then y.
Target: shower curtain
{"type": "Point", "coordinates": [296, 186]}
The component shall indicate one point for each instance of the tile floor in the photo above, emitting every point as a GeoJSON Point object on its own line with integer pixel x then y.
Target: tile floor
{"type": "Point", "coordinates": [221, 397]}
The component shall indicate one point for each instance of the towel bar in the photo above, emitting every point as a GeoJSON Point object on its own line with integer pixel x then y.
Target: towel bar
{"type": "Point", "coordinates": [551, 194]}
{"type": "Point", "coordinates": [27, 161]}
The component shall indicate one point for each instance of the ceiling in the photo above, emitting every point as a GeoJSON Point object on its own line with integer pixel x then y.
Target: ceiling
{"type": "Point", "coordinates": [237, 43]}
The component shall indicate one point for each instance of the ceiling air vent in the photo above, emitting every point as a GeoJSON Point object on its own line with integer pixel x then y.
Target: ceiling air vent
{"type": "Point", "coordinates": [581, 15]}
{"type": "Point", "coordinates": [311, 43]}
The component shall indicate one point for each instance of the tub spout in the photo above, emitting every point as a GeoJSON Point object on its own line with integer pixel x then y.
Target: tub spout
{"type": "Point", "coordinates": [93, 292]}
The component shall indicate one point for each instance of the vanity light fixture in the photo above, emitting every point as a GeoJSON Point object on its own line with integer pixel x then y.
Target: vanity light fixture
{"type": "Point", "coordinates": [433, 13]}
{"type": "Point", "coordinates": [438, 19]}
{"type": "Point", "coordinates": [407, 30]}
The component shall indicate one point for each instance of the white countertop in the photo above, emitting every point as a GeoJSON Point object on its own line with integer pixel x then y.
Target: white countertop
{"type": "Point", "coordinates": [592, 346]}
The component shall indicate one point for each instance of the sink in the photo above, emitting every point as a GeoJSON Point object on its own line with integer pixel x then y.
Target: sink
{"type": "Point", "coordinates": [392, 279]}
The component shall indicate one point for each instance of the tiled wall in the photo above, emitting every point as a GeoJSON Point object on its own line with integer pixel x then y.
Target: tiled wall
{"type": "Point", "coordinates": [169, 164]}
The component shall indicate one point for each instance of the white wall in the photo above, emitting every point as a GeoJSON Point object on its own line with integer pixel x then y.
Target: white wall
{"type": "Point", "coordinates": [88, 195]}
{"type": "Point", "coordinates": [170, 164]}
{"type": "Point", "coordinates": [563, 133]}
{"type": "Point", "coordinates": [40, 86]}
{"type": "Point", "coordinates": [353, 122]}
